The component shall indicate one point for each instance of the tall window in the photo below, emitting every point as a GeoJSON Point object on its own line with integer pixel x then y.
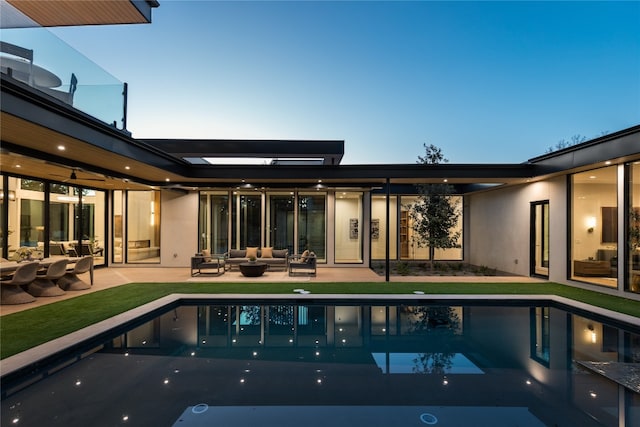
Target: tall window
{"type": "Point", "coordinates": [379, 232]}
{"type": "Point", "coordinates": [214, 222]}
{"type": "Point", "coordinates": [280, 221]}
{"type": "Point", "coordinates": [633, 251]}
{"type": "Point", "coordinates": [143, 227]}
{"type": "Point", "coordinates": [118, 226]}
{"type": "Point", "coordinates": [312, 223]}
{"type": "Point", "coordinates": [594, 226]}
{"type": "Point", "coordinates": [348, 227]}
{"type": "Point", "coordinates": [246, 220]}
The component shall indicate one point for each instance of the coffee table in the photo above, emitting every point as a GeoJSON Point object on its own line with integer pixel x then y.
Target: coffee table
{"type": "Point", "coordinates": [252, 269]}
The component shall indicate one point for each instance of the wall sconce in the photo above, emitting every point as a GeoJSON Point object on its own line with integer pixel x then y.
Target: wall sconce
{"type": "Point", "coordinates": [591, 223]}
{"type": "Point", "coordinates": [594, 337]}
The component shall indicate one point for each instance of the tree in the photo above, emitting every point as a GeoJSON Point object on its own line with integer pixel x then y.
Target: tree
{"type": "Point", "coordinates": [434, 215]}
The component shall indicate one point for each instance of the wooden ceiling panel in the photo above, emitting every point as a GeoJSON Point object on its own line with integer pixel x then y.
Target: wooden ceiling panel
{"type": "Point", "coordinates": [53, 13]}
{"type": "Point", "coordinates": [77, 153]}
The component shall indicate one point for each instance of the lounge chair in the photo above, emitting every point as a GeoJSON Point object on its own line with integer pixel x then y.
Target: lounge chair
{"type": "Point", "coordinates": [304, 264]}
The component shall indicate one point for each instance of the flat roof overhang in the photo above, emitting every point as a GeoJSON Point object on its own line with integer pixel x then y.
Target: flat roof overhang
{"type": "Point", "coordinates": [618, 147]}
{"type": "Point", "coordinates": [59, 13]}
{"type": "Point", "coordinates": [326, 152]}
{"type": "Point", "coordinates": [33, 124]}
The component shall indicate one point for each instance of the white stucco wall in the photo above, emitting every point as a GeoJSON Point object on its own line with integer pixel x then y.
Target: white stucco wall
{"type": "Point", "coordinates": [499, 226]}
{"type": "Point", "coordinates": [179, 228]}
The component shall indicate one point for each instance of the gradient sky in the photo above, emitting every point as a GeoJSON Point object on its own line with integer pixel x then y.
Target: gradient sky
{"type": "Point", "coordinates": [487, 82]}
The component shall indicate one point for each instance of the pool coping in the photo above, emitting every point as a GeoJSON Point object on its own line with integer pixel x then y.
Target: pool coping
{"type": "Point", "coordinates": [33, 355]}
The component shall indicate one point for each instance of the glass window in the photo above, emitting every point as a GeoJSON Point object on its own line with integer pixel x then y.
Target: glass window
{"type": "Point", "coordinates": [312, 224]}
{"type": "Point", "coordinates": [214, 222]}
{"type": "Point", "coordinates": [409, 248]}
{"type": "Point", "coordinates": [379, 227]}
{"type": "Point", "coordinates": [247, 220]}
{"type": "Point", "coordinates": [118, 226]}
{"type": "Point", "coordinates": [143, 227]}
{"type": "Point", "coordinates": [26, 219]}
{"type": "Point", "coordinates": [280, 220]}
{"type": "Point", "coordinates": [348, 227]}
{"type": "Point", "coordinates": [633, 261]}
{"type": "Point", "coordinates": [594, 226]}
{"type": "Point", "coordinates": [4, 232]}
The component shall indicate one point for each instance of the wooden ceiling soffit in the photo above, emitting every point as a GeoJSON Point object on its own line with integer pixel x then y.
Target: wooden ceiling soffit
{"type": "Point", "coordinates": [58, 13]}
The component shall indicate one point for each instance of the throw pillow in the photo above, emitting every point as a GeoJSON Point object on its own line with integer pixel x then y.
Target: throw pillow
{"type": "Point", "coordinates": [252, 252]}
{"type": "Point", "coordinates": [312, 256]}
{"type": "Point", "coordinates": [304, 256]}
{"type": "Point", "coordinates": [266, 253]}
{"type": "Point", "coordinates": [206, 255]}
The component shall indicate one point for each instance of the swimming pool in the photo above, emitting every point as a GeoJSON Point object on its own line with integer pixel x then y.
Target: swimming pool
{"type": "Point", "coordinates": [346, 363]}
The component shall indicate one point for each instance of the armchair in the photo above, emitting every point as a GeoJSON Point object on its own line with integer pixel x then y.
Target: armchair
{"type": "Point", "coordinates": [303, 264]}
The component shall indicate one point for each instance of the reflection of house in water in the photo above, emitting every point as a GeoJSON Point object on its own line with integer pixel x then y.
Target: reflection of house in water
{"type": "Point", "coordinates": [473, 355]}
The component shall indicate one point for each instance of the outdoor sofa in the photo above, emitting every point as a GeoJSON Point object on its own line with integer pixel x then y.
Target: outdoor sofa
{"type": "Point", "coordinates": [274, 258]}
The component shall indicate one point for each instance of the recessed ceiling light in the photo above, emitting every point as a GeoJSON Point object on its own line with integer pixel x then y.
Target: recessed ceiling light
{"type": "Point", "coordinates": [127, 167]}
{"type": "Point", "coordinates": [18, 166]}
{"type": "Point", "coordinates": [445, 180]}
{"type": "Point", "coordinates": [167, 179]}
{"type": "Point", "coordinates": [608, 162]}
{"type": "Point", "coordinates": [592, 177]}
{"type": "Point", "coordinates": [61, 147]}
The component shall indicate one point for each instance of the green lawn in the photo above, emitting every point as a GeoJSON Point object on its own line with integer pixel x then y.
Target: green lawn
{"type": "Point", "coordinates": [26, 329]}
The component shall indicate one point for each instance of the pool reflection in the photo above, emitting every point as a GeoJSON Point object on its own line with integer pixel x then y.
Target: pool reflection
{"type": "Point", "coordinates": [496, 360]}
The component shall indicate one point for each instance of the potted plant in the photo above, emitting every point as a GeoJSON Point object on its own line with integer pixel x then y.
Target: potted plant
{"type": "Point", "coordinates": [252, 259]}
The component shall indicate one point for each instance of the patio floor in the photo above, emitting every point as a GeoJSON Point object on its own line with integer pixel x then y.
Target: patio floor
{"type": "Point", "coordinates": [115, 276]}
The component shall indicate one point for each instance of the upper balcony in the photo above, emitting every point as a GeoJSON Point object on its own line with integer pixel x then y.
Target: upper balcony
{"type": "Point", "coordinates": [32, 55]}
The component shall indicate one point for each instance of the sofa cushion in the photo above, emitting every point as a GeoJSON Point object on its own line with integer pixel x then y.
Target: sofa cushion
{"type": "Point", "coordinates": [252, 252]}
{"type": "Point", "coordinates": [280, 253]}
{"type": "Point", "coordinates": [266, 253]}
{"type": "Point", "coordinates": [237, 253]}
{"type": "Point", "coordinates": [304, 256]}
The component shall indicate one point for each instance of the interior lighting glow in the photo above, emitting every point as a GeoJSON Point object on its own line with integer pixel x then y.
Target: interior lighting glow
{"type": "Point", "coordinates": [78, 383]}
{"type": "Point", "coordinates": [127, 167]}
{"type": "Point", "coordinates": [61, 147]}
{"type": "Point", "coordinates": [528, 382]}
{"type": "Point", "coordinates": [15, 420]}
{"type": "Point", "coordinates": [255, 353]}
{"type": "Point", "coordinates": [241, 380]}
{"type": "Point", "coordinates": [319, 380]}
{"type": "Point", "coordinates": [166, 381]}
{"type": "Point", "coordinates": [193, 353]}
{"type": "Point", "coordinates": [593, 394]}
{"type": "Point", "coordinates": [445, 382]}
{"type": "Point", "coordinates": [125, 418]}
{"type": "Point", "coordinates": [317, 353]}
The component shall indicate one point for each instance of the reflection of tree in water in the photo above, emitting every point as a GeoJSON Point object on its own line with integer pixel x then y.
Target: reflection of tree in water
{"type": "Point", "coordinates": [278, 314]}
{"type": "Point", "coordinates": [439, 325]}
{"type": "Point", "coordinates": [251, 314]}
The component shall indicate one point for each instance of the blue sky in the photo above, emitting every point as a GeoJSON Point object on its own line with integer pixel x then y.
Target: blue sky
{"type": "Point", "coordinates": [496, 82]}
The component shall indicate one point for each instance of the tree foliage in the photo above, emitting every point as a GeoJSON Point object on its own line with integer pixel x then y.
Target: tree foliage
{"type": "Point", "coordinates": [435, 214]}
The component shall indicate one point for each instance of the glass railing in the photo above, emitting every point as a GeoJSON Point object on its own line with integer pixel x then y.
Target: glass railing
{"type": "Point", "coordinates": [38, 58]}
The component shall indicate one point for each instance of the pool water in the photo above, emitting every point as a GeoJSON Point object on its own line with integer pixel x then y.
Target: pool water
{"type": "Point", "coordinates": [342, 364]}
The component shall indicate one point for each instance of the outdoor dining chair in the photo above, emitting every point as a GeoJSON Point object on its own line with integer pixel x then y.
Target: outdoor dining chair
{"type": "Point", "coordinates": [71, 282]}
{"type": "Point", "coordinates": [45, 284]}
{"type": "Point", "coordinates": [11, 291]}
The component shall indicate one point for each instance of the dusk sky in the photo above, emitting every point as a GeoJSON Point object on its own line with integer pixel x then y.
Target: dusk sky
{"type": "Point", "coordinates": [487, 82]}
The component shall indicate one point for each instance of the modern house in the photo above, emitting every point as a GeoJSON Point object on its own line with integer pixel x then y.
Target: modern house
{"type": "Point", "coordinates": [74, 180]}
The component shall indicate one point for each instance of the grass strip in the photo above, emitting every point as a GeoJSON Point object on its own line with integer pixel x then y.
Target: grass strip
{"type": "Point", "coordinates": [26, 329]}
